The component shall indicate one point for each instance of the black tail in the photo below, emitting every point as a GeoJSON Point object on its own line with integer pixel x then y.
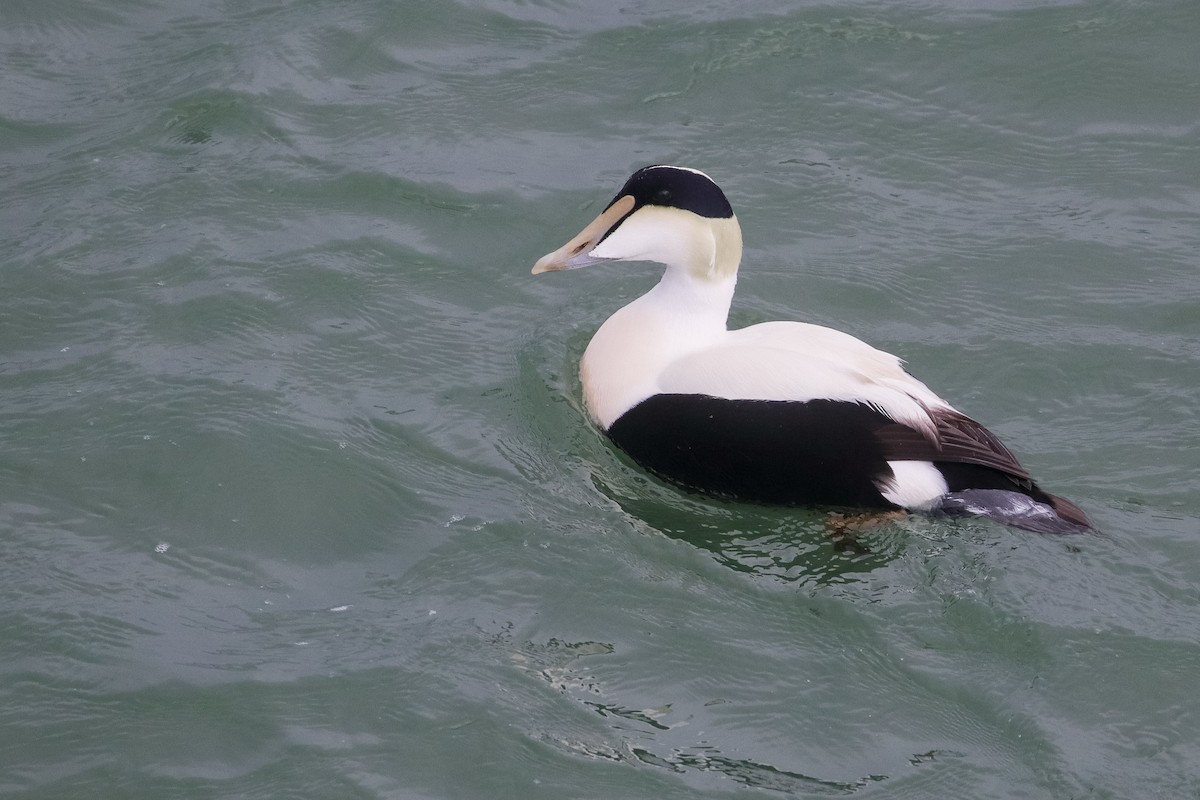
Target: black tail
{"type": "Point", "coordinates": [1070, 512]}
{"type": "Point", "coordinates": [1059, 515]}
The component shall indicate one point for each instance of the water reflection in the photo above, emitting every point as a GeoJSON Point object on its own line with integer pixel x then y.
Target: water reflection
{"type": "Point", "coordinates": [787, 544]}
{"type": "Point", "coordinates": [751, 773]}
{"type": "Point", "coordinates": [642, 736]}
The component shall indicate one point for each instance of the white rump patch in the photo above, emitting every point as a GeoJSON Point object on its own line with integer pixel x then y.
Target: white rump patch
{"type": "Point", "coordinates": [914, 484]}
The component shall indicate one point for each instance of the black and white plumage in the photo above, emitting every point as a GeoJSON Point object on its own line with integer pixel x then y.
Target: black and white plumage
{"type": "Point", "coordinates": [781, 412]}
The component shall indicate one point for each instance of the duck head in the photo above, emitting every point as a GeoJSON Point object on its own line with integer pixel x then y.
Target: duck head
{"type": "Point", "coordinates": [671, 215]}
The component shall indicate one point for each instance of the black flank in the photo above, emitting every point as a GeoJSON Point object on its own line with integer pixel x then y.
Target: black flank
{"type": "Point", "coordinates": [777, 453]}
{"type": "Point", "coordinates": [820, 452]}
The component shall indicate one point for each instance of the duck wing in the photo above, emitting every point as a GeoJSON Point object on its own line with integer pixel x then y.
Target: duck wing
{"type": "Point", "coordinates": [797, 362]}
{"type": "Point", "coordinates": [960, 440]}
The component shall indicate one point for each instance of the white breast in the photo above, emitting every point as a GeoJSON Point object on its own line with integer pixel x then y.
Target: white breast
{"type": "Point", "coordinates": [626, 359]}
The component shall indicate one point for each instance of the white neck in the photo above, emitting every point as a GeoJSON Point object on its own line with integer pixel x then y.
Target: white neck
{"type": "Point", "coordinates": [691, 302]}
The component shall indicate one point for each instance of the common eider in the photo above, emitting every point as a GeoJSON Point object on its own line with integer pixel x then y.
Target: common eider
{"type": "Point", "coordinates": [779, 413]}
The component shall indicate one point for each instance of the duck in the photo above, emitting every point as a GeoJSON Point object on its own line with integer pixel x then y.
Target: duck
{"type": "Point", "coordinates": [782, 413]}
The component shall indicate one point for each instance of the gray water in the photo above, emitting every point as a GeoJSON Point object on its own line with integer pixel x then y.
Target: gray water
{"type": "Point", "coordinates": [296, 494]}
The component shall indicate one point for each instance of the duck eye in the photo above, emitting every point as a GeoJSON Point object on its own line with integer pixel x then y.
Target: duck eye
{"type": "Point", "coordinates": [662, 197]}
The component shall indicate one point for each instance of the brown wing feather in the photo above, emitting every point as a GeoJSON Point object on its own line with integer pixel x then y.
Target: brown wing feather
{"type": "Point", "coordinates": [960, 439]}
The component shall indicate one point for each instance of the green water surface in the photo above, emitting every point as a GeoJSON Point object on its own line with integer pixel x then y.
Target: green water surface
{"type": "Point", "coordinates": [297, 499]}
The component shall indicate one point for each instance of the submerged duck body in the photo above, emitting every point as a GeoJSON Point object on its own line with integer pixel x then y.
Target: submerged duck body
{"type": "Point", "coordinates": [780, 413]}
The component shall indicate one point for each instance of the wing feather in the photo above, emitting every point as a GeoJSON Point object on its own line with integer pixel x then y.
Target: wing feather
{"type": "Point", "coordinates": [797, 362]}
{"type": "Point", "coordinates": [961, 440]}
